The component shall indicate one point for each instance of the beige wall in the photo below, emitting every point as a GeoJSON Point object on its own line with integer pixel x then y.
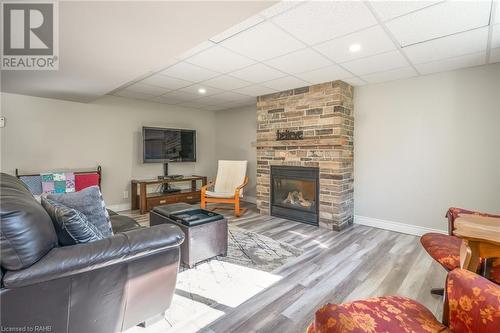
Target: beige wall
{"type": "Point", "coordinates": [236, 129]}
{"type": "Point", "coordinates": [424, 144]}
{"type": "Point", "coordinates": [46, 134]}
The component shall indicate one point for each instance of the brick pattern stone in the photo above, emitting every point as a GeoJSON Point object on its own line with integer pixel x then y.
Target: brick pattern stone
{"type": "Point", "coordinates": [324, 113]}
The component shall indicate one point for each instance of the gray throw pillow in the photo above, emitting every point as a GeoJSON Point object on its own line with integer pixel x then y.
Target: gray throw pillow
{"type": "Point", "coordinates": [72, 226]}
{"type": "Point", "coordinates": [89, 202]}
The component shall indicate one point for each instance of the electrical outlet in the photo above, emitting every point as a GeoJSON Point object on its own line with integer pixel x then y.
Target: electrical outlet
{"type": "Point", "coordinates": [125, 194]}
{"type": "Point", "coordinates": [2, 121]}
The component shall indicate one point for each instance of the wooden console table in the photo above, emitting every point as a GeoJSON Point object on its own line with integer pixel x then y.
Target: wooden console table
{"type": "Point", "coordinates": [146, 201]}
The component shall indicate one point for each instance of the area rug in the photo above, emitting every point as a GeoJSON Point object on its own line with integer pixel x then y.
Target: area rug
{"type": "Point", "coordinates": [257, 251]}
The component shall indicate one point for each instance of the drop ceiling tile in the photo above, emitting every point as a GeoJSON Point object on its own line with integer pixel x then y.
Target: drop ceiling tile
{"type": "Point", "coordinates": [197, 49]}
{"type": "Point", "coordinates": [262, 42]}
{"type": "Point", "coordinates": [220, 60]}
{"type": "Point", "coordinates": [226, 82]}
{"type": "Point", "coordinates": [147, 89]}
{"type": "Point", "coordinates": [440, 20]}
{"type": "Point", "coordinates": [325, 74]}
{"type": "Point", "coordinates": [285, 83]}
{"type": "Point", "coordinates": [255, 90]}
{"type": "Point", "coordinates": [391, 75]}
{"type": "Point", "coordinates": [235, 29]}
{"type": "Point", "coordinates": [377, 63]}
{"type": "Point", "coordinates": [213, 100]}
{"type": "Point", "coordinates": [391, 9]}
{"type": "Point", "coordinates": [354, 81]}
{"type": "Point", "coordinates": [299, 61]}
{"type": "Point", "coordinates": [468, 60]}
{"type": "Point", "coordinates": [230, 96]}
{"type": "Point", "coordinates": [495, 55]}
{"type": "Point", "coordinates": [133, 94]}
{"type": "Point", "coordinates": [318, 21]}
{"type": "Point", "coordinates": [180, 96]}
{"type": "Point", "coordinates": [257, 73]}
{"type": "Point", "coordinates": [495, 37]}
{"type": "Point", "coordinates": [372, 41]}
{"type": "Point", "coordinates": [166, 100]}
{"type": "Point", "coordinates": [166, 82]}
{"type": "Point", "coordinates": [452, 46]}
{"type": "Point", "coordinates": [193, 90]}
{"type": "Point", "coordinates": [279, 8]}
{"type": "Point", "coordinates": [188, 72]}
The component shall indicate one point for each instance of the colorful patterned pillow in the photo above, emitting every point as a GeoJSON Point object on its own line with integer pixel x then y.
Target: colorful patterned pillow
{"type": "Point", "coordinates": [72, 226]}
{"type": "Point", "coordinates": [89, 201]}
{"type": "Point", "coordinates": [60, 182]}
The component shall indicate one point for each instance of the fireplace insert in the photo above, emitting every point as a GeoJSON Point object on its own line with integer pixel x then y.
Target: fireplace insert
{"type": "Point", "coordinates": [295, 193]}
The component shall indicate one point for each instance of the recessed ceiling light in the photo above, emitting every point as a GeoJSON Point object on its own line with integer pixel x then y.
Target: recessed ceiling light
{"type": "Point", "coordinates": [202, 91]}
{"type": "Point", "coordinates": [354, 48]}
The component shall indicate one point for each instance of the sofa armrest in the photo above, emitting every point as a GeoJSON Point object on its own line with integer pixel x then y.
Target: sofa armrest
{"type": "Point", "coordinates": [70, 260]}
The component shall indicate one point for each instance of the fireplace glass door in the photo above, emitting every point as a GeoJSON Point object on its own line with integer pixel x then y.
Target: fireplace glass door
{"type": "Point", "coordinates": [294, 193]}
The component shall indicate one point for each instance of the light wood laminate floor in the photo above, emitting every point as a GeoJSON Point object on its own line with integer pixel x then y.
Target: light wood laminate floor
{"type": "Point", "coordinates": [336, 267]}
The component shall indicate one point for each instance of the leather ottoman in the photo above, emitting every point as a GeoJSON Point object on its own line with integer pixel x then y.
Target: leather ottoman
{"type": "Point", "coordinates": [202, 241]}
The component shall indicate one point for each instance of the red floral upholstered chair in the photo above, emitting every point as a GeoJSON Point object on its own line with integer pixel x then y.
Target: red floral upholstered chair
{"type": "Point", "coordinates": [445, 249]}
{"type": "Point", "coordinates": [472, 305]}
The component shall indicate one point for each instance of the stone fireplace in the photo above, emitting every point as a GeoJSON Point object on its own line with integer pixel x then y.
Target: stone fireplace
{"type": "Point", "coordinates": [305, 154]}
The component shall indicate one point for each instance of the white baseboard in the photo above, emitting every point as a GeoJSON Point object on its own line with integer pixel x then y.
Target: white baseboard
{"type": "Point", "coordinates": [395, 226]}
{"type": "Point", "coordinates": [119, 207]}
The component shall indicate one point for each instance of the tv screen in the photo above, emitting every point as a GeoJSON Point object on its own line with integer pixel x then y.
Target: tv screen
{"type": "Point", "coordinates": [168, 145]}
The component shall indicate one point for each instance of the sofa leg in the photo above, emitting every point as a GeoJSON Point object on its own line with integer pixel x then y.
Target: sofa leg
{"type": "Point", "coordinates": [152, 320]}
{"type": "Point", "coordinates": [437, 291]}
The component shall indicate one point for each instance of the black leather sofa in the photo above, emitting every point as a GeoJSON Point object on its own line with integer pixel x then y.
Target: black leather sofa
{"type": "Point", "coordinates": [108, 285]}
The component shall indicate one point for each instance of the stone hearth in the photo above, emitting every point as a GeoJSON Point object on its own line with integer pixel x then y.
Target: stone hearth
{"type": "Point", "coordinates": [318, 122]}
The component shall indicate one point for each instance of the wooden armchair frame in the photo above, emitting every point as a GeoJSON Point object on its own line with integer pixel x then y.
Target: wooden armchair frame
{"type": "Point", "coordinates": [234, 200]}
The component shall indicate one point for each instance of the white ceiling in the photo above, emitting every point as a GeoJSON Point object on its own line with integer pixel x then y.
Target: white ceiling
{"type": "Point", "coordinates": [106, 44]}
{"type": "Point", "coordinates": [294, 44]}
{"type": "Point", "coordinates": [283, 46]}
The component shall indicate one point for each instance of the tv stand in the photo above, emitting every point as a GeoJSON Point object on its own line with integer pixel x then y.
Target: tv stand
{"type": "Point", "coordinates": [145, 201]}
{"type": "Point", "coordinates": [170, 190]}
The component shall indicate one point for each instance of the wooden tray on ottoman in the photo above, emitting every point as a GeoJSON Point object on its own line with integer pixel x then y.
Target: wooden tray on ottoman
{"type": "Point", "coordinates": [204, 240]}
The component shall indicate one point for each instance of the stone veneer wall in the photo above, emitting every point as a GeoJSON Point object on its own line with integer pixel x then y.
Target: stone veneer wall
{"type": "Point", "coordinates": [324, 113]}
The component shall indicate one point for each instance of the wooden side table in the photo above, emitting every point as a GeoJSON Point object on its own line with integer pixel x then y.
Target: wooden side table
{"type": "Point", "coordinates": [481, 239]}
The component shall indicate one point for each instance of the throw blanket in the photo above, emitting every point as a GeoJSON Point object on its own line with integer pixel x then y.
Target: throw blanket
{"type": "Point", "coordinates": [60, 182]}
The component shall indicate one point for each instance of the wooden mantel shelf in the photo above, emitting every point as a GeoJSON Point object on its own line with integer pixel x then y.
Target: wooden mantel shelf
{"type": "Point", "coordinates": [339, 141]}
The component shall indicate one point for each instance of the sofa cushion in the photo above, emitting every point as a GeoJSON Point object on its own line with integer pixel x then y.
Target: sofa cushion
{"type": "Point", "coordinates": [122, 223]}
{"type": "Point", "coordinates": [380, 314]}
{"type": "Point", "coordinates": [88, 201]}
{"type": "Point", "coordinates": [444, 249]}
{"type": "Point", "coordinates": [72, 226]}
{"type": "Point", "coordinates": [27, 233]}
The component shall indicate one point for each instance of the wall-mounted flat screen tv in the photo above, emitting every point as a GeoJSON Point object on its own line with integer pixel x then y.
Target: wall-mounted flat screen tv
{"type": "Point", "coordinates": [165, 145]}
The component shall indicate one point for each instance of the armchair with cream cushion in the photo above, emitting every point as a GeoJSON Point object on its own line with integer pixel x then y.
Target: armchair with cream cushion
{"type": "Point", "coordinates": [229, 183]}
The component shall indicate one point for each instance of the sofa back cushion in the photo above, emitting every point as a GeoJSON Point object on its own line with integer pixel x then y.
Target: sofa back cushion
{"type": "Point", "coordinates": [27, 233]}
{"type": "Point", "coordinates": [72, 227]}
{"type": "Point", "coordinates": [89, 201]}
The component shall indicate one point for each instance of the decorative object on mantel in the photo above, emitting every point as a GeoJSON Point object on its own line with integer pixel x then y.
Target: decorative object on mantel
{"type": "Point", "coordinates": [289, 135]}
